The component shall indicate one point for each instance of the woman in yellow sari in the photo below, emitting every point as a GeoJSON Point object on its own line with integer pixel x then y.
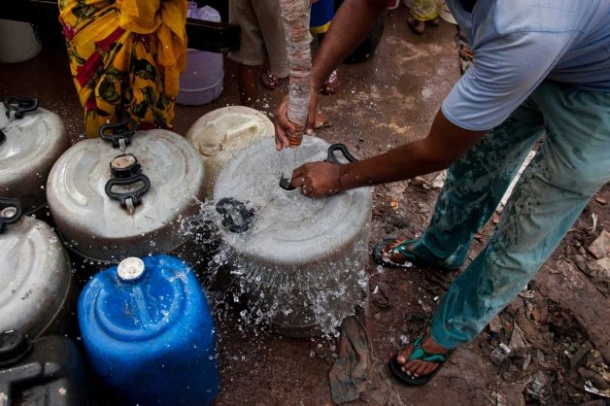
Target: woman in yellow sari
{"type": "Point", "coordinates": [424, 12]}
{"type": "Point", "coordinates": [126, 57]}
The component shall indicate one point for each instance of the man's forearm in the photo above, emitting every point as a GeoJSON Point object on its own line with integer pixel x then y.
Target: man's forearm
{"type": "Point", "coordinates": [444, 145]}
{"type": "Point", "coordinates": [353, 21]}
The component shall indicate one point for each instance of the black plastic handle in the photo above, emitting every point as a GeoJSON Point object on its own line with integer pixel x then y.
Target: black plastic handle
{"type": "Point", "coordinates": [235, 215]}
{"type": "Point", "coordinates": [4, 204]}
{"type": "Point", "coordinates": [341, 148]}
{"type": "Point", "coordinates": [116, 132]}
{"type": "Point", "coordinates": [134, 195]}
{"type": "Point", "coordinates": [19, 105]}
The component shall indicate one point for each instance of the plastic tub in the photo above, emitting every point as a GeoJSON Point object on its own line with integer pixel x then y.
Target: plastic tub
{"type": "Point", "coordinates": [18, 43]}
{"type": "Point", "coordinates": [192, 95]}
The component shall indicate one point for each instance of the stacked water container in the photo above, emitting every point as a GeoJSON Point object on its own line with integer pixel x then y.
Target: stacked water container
{"type": "Point", "coordinates": [36, 290]}
{"type": "Point", "coordinates": [39, 365]}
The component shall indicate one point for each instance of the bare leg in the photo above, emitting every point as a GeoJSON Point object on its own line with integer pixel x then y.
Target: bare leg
{"type": "Point", "coordinates": [247, 83]}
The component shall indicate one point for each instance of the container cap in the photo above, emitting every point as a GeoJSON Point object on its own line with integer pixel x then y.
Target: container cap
{"type": "Point", "coordinates": [14, 345]}
{"type": "Point", "coordinates": [130, 269]}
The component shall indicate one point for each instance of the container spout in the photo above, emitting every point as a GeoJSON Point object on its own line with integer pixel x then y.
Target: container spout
{"type": "Point", "coordinates": [285, 183]}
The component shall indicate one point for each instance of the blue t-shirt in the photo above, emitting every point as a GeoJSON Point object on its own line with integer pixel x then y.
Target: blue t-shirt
{"type": "Point", "coordinates": [519, 43]}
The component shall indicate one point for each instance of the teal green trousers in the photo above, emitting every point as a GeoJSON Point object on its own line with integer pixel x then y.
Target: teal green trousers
{"type": "Point", "coordinates": [571, 165]}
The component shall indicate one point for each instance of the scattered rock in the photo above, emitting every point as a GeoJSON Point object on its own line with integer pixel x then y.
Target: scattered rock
{"type": "Point", "coordinates": [601, 246]}
{"type": "Point", "coordinates": [522, 354]}
{"type": "Point", "coordinates": [500, 354]}
{"type": "Point", "coordinates": [433, 180]}
{"type": "Point", "coordinates": [578, 357]}
{"type": "Point", "coordinates": [597, 402]}
{"type": "Point", "coordinates": [537, 388]}
{"type": "Point", "coordinates": [495, 325]}
{"type": "Point", "coordinates": [595, 379]}
{"type": "Point", "coordinates": [592, 389]}
{"type": "Point", "coordinates": [598, 270]}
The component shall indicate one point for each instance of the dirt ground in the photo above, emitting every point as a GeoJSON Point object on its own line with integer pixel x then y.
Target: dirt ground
{"type": "Point", "coordinates": [557, 328]}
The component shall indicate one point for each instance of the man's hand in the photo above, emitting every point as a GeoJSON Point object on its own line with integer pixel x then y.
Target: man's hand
{"type": "Point", "coordinates": [283, 125]}
{"type": "Point", "coordinates": [317, 179]}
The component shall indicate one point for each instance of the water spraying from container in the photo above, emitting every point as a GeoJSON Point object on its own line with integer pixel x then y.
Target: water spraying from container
{"type": "Point", "coordinates": [299, 265]}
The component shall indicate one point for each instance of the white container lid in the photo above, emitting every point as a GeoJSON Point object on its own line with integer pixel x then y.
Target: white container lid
{"type": "Point", "coordinates": [33, 143]}
{"type": "Point", "coordinates": [289, 229]}
{"type": "Point", "coordinates": [219, 134]}
{"type": "Point", "coordinates": [97, 226]}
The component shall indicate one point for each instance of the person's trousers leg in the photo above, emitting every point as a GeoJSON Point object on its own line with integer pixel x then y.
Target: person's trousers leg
{"type": "Point", "coordinates": [475, 185]}
{"type": "Point", "coordinates": [570, 167]}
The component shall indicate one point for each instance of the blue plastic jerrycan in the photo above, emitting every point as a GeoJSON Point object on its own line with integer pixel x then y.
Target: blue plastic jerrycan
{"type": "Point", "coordinates": [148, 333]}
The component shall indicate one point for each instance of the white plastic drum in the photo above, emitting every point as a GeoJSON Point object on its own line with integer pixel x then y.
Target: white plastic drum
{"type": "Point", "coordinates": [106, 230]}
{"type": "Point", "coordinates": [18, 41]}
{"type": "Point", "coordinates": [219, 134]}
{"type": "Point", "coordinates": [36, 293]}
{"type": "Point", "coordinates": [301, 261]}
{"type": "Point", "coordinates": [31, 145]}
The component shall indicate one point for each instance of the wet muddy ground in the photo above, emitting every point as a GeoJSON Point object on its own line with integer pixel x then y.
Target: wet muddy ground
{"type": "Point", "coordinates": [557, 328]}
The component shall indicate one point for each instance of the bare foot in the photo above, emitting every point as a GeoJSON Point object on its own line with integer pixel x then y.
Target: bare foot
{"type": "Point", "coordinates": [416, 26]}
{"type": "Point", "coordinates": [331, 85]}
{"type": "Point", "coordinates": [321, 120]}
{"type": "Point", "coordinates": [397, 256]}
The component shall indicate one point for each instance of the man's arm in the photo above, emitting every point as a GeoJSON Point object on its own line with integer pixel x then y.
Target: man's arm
{"type": "Point", "coordinates": [353, 21]}
{"type": "Point", "coordinates": [444, 144]}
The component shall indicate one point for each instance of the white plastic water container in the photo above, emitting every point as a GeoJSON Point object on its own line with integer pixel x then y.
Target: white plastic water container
{"type": "Point", "coordinates": [202, 80]}
{"type": "Point", "coordinates": [219, 134]}
{"type": "Point", "coordinates": [37, 293]}
{"type": "Point", "coordinates": [31, 140]}
{"type": "Point", "coordinates": [109, 204]}
{"type": "Point", "coordinates": [18, 42]}
{"type": "Point", "coordinates": [300, 262]}
{"type": "Point", "coordinates": [447, 16]}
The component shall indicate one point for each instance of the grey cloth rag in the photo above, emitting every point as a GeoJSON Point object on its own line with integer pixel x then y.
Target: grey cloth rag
{"type": "Point", "coordinates": [357, 374]}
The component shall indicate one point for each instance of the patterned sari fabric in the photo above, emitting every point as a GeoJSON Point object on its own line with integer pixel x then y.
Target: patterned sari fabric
{"type": "Point", "coordinates": [424, 10]}
{"type": "Point", "coordinates": [126, 57]}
